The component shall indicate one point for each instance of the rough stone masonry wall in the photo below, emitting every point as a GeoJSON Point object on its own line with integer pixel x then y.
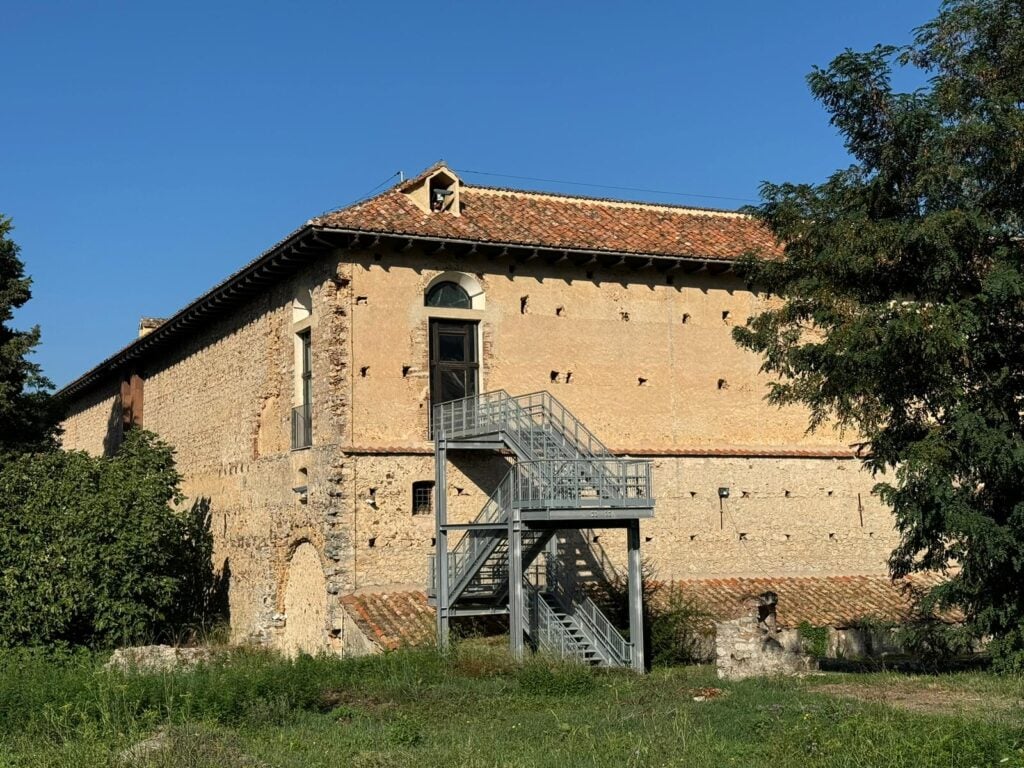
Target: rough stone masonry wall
{"type": "Point", "coordinates": [784, 517]}
{"type": "Point", "coordinates": [96, 425]}
{"type": "Point", "coordinates": [224, 402]}
{"type": "Point", "coordinates": [752, 646]}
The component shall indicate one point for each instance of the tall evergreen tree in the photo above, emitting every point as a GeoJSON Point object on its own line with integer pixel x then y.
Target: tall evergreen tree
{"type": "Point", "coordinates": [900, 299]}
{"type": "Point", "coordinates": [27, 414]}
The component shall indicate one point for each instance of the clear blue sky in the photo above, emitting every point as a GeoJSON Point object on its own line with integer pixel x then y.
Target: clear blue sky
{"type": "Point", "coordinates": [148, 150]}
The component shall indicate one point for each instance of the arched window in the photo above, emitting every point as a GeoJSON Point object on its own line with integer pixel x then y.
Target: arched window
{"type": "Point", "coordinates": [449, 294]}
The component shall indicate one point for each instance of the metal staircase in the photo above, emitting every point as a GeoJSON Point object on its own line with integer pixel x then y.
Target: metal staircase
{"type": "Point", "coordinates": [562, 477]}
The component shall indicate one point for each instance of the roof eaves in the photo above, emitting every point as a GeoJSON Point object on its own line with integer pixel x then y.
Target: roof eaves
{"type": "Point", "coordinates": [527, 245]}
{"type": "Point", "coordinates": [266, 267]}
{"type": "Point", "coordinates": [263, 270]}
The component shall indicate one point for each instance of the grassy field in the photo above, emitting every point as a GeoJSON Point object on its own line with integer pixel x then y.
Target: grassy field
{"type": "Point", "coordinates": [478, 709]}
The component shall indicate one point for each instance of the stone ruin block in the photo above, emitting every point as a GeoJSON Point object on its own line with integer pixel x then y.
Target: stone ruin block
{"type": "Point", "coordinates": [751, 645]}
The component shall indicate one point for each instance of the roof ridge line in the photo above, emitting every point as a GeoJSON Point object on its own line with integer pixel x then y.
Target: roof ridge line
{"type": "Point", "coordinates": [605, 200]}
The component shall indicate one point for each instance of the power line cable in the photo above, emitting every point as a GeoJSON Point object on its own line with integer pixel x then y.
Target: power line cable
{"type": "Point", "coordinates": [608, 186]}
{"type": "Point", "coordinates": [389, 178]}
{"type": "Point", "coordinates": [365, 195]}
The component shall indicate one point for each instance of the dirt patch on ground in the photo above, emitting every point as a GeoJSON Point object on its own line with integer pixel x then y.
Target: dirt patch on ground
{"type": "Point", "coordinates": [934, 699]}
{"type": "Point", "coordinates": [344, 699]}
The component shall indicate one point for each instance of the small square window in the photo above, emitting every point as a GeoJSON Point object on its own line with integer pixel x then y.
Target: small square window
{"type": "Point", "coordinates": [423, 497]}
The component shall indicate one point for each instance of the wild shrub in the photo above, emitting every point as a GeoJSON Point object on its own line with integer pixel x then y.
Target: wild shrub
{"type": "Point", "coordinates": [933, 641]}
{"type": "Point", "coordinates": [676, 629]}
{"type": "Point", "coordinates": [679, 629]}
{"type": "Point", "coordinates": [93, 552]}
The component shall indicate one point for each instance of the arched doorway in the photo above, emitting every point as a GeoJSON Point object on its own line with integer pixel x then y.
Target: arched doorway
{"type": "Point", "coordinates": [305, 603]}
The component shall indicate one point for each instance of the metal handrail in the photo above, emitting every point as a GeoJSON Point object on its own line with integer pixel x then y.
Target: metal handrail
{"type": "Point", "coordinates": [561, 464]}
{"type": "Point", "coordinates": [554, 412]}
{"type": "Point", "coordinates": [610, 483]}
{"type": "Point", "coordinates": [576, 603]}
{"type": "Point", "coordinates": [497, 411]}
{"type": "Point", "coordinates": [547, 630]}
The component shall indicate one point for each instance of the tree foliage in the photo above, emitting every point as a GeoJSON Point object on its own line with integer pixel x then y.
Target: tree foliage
{"type": "Point", "coordinates": [901, 287]}
{"type": "Point", "coordinates": [92, 552]}
{"type": "Point", "coordinates": [27, 416]}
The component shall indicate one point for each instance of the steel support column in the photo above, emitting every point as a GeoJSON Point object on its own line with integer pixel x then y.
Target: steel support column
{"type": "Point", "coordinates": [516, 607]}
{"type": "Point", "coordinates": [441, 588]}
{"type": "Point", "coordinates": [636, 596]}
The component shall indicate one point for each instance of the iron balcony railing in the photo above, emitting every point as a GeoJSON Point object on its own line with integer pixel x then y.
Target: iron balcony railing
{"type": "Point", "coordinates": [610, 483]}
{"type": "Point", "coordinates": [302, 426]}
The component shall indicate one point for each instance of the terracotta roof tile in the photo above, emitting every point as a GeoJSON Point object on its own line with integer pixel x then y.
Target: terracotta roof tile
{"type": "Point", "coordinates": [513, 217]}
{"type": "Point", "coordinates": [393, 619]}
{"type": "Point", "coordinates": [833, 601]}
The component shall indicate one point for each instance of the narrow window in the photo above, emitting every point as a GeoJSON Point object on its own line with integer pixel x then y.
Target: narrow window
{"type": "Point", "coordinates": [423, 497]}
{"type": "Point", "coordinates": [302, 414]}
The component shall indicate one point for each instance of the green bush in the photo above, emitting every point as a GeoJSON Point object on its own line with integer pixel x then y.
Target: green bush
{"type": "Point", "coordinates": [676, 629]}
{"type": "Point", "coordinates": [813, 639]}
{"type": "Point", "coordinates": [1007, 652]}
{"type": "Point", "coordinates": [92, 551]}
{"type": "Point", "coordinates": [679, 629]}
{"type": "Point", "coordinates": [933, 641]}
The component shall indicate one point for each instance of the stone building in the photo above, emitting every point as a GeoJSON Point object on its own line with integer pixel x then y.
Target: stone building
{"type": "Point", "coordinates": [297, 394]}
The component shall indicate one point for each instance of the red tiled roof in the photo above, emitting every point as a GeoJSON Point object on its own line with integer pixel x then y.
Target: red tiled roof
{"type": "Point", "coordinates": [500, 217]}
{"type": "Point", "coordinates": [393, 619]}
{"type": "Point", "coordinates": [514, 217]}
{"type": "Point", "coordinates": [822, 601]}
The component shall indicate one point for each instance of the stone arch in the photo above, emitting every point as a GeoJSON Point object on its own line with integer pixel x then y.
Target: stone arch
{"type": "Point", "coordinates": [305, 603]}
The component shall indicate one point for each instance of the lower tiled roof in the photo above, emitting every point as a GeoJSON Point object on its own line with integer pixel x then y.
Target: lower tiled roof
{"type": "Point", "coordinates": [395, 619]}
{"type": "Point", "coordinates": [822, 601]}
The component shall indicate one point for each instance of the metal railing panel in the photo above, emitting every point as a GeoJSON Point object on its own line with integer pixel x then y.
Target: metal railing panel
{"type": "Point", "coordinates": [302, 426]}
{"type": "Point", "coordinates": [569, 483]}
{"type": "Point", "coordinates": [548, 632]}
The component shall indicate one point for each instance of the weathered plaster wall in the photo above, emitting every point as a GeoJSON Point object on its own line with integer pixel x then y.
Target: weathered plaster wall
{"type": "Point", "coordinates": [701, 396]}
{"type": "Point", "coordinates": [653, 366]}
{"type": "Point", "coordinates": [305, 602]}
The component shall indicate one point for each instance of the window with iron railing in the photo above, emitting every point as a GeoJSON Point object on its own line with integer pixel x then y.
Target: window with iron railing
{"type": "Point", "coordinates": [302, 414]}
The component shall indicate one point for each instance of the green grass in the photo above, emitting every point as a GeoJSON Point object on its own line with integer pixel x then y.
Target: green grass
{"type": "Point", "coordinates": [476, 708]}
